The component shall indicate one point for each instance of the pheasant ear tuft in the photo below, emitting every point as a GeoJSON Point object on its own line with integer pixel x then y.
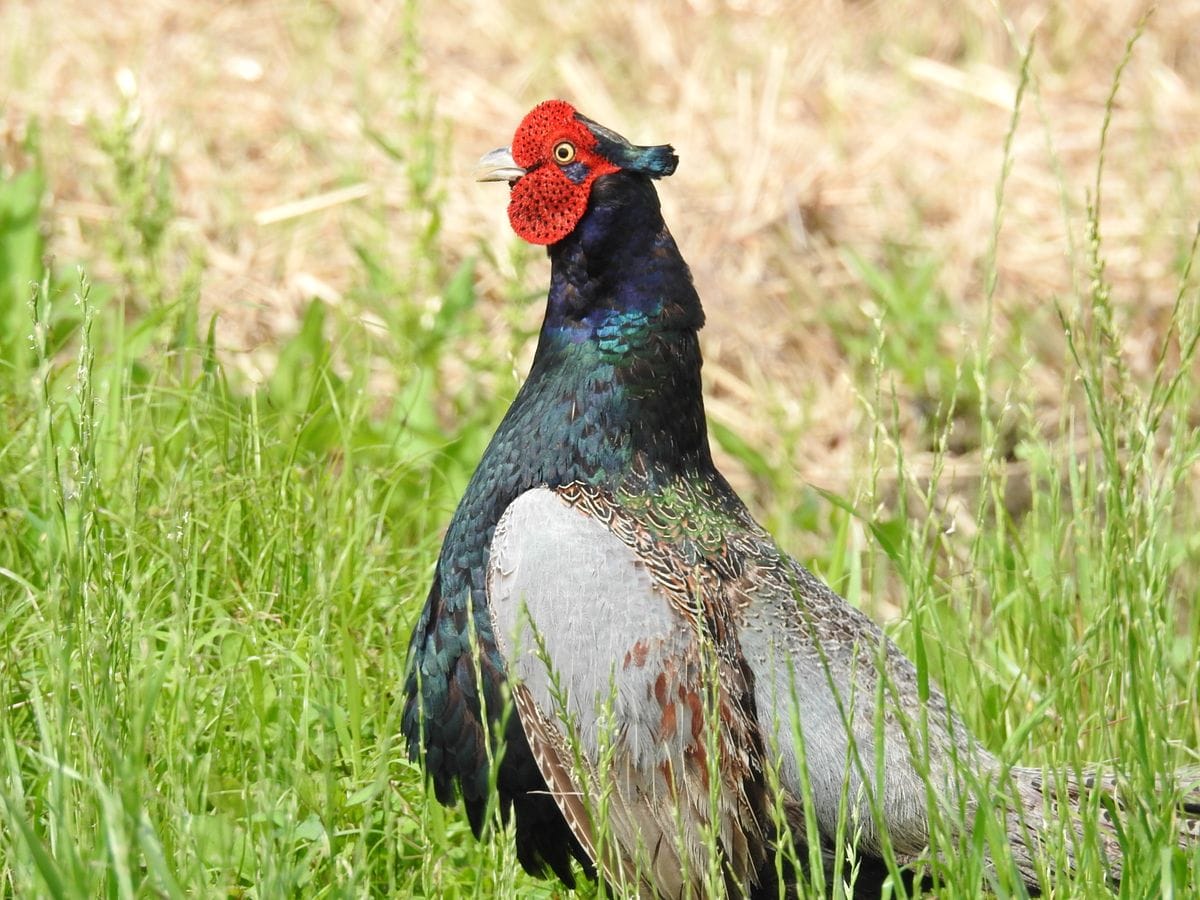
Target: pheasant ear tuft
{"type": "Point", "coordinates": [655, 161]}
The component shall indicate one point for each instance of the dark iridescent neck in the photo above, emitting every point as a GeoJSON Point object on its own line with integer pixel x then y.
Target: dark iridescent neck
{"type": "Point", "coordinates": [621, 259]}
{"type": "Point", "coordinates": [620, 334]}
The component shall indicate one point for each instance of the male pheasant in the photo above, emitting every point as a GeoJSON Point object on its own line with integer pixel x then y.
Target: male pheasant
{"type": "Point", "coordinates": [679, 682]}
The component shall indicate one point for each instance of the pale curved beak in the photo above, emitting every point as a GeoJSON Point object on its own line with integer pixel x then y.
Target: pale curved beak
{"type": "Point", "coordinates": [498, 166]}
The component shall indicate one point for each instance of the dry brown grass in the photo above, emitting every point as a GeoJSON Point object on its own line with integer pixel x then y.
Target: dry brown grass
{"type": "Point", "coordinates": [803, 129]}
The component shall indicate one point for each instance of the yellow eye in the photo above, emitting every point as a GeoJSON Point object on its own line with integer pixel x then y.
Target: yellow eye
{"type": "Point", "coordinates": [564, 152]}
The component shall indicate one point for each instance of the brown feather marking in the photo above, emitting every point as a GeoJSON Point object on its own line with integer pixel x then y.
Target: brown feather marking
{"type": "Point", "coordinates": [696, 705]}
{"type": "Point", "coordinates": [637, 654]}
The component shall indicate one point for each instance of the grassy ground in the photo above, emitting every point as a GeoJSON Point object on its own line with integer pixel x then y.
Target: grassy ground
{"type": "Point", "coordinates": [274, 326]}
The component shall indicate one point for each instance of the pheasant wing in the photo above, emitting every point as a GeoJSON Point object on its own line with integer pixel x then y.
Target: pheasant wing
{"type": "Point", "coordinates": [638, 714]}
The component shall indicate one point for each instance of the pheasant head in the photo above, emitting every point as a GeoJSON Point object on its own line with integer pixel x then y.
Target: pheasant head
{"type": "Point", "coordinates": [556, 156]}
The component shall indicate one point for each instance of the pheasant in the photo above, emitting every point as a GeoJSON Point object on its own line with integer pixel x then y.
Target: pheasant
{"type": "Point", "coordinates": [668, 693]}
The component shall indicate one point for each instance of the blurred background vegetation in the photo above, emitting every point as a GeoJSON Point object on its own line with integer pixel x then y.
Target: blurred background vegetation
{"type": "Point", "coordinates": [275, 322]}
{"type": "Point", "coordinates": [839, 170]}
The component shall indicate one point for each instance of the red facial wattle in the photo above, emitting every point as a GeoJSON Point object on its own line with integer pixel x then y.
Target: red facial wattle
{"type": "Point", "coordinates": [558, 154]}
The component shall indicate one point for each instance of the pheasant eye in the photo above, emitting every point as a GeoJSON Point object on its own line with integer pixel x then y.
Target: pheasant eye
{"type": "Point", "coordinates": [564, 152]}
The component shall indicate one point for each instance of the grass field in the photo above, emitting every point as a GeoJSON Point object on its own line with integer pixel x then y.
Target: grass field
{"type": "Point", "coordinates": [256, 327]}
